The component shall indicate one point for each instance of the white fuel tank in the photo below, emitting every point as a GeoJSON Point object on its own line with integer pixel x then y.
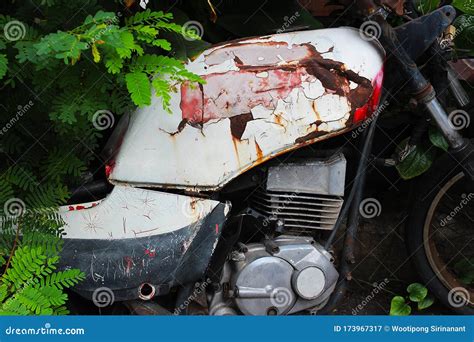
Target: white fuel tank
{"type": "Point", "coordinates": [263, 97]}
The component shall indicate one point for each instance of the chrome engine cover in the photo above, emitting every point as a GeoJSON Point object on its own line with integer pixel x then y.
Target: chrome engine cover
{"type": "Point", "coordinates": [283, 276]}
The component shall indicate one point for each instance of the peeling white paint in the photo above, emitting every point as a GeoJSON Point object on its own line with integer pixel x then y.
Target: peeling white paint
{"type": "Point", "coordinates": [129, 212]}
{"type": "Point", "coordinates": [207, 156]}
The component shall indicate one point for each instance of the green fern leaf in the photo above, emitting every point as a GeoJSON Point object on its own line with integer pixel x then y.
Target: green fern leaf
{"type": "Point", "coordinates": [3, 65]}
{"type": "Point", "coordinates": [139, 87]}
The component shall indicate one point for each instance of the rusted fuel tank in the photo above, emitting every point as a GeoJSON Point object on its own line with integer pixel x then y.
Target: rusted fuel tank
{"type": "Point", "coordinates": [263, 96]}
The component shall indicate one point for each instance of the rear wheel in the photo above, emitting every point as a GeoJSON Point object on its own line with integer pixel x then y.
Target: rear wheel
{"type": "Point", "coordinates": [440, 234]}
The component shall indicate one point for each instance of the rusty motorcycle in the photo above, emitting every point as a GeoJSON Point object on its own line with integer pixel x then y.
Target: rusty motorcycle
{"type": "Point", "coordinates": [233, 202]}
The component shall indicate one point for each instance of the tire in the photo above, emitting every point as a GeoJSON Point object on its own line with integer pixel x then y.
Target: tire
{"type": "Point", "coordinates": [427, 190]}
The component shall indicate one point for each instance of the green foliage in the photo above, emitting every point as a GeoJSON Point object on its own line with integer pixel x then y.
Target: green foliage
{"type": "Point", "coordinates": [121, 49]}
{"type": "Point", "coordinates": [465, 33]}
{"type": "Point", "coordinates": [437, 139]}
{"type": "Point", "coordinates": [399, 307]}
{"type": "Point", "coordinates": [3, 65]}
{"type": "Point", "coordinates": [138, 85]}
{"type": "Point", "coordinates": [467, 6]}
{"type": "Point", "coordinates": [426, 6]}
{"type": "Point", "coordinates": [415, 160]}
{"type": "Point", "coordinates": [30, 283]}
{"type": "Point", "coordinates": [53, 79]}
{"type": "Point", "coordinates": [416, 293]}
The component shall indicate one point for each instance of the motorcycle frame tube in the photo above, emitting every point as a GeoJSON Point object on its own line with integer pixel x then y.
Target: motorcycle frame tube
{"type": "Point", "coordinates": [351, 208]}
{"type": "Point", "coordinates": [360, 175]}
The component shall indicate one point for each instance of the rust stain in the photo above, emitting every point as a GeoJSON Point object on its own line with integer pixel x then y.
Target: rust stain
{"type": "Point", "coordinates": [239, 123]}
{"type": "Point", "coordinates": [238, 61]}
{"type": "Point", "coordinates": [235, 93]}
{"type": "Point", "coordinates": [316, 113]}
{"type": "Point", "coordinates": [193, 203]}
{"type": "Point", "coordinates": [311, 136]}
{"type": "Point", "coordinates": [295, 147]}
{"type": "Point", "coordinates": [181, 126]}
{"type": "Point", "coordinates": [259, 152]}
{"type": "Point", "coordinates": [280, 120]}
{"type": "Point", "coordinates": [235, 142]}
{"type": "Point", "coordinates": [334, 76]}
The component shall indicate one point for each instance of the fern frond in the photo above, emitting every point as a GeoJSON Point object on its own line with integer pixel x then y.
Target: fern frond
{"type": "Point", "coordinates": [34, 300]}
{"type": "Point", "coordinates": [47, 197]}
{"type": "Point", "coordinates": [63, 279]}
{"type": "Point", "coordinates": [147, 17]}
{"type": "Point", "coordinates": [13, 307]}
{"type": "Point", "coordinates": [55, 296]}
{"type": "Point", "coordinates": [26, 264]}
{"type": "Point", "coordinates": [21, 177]}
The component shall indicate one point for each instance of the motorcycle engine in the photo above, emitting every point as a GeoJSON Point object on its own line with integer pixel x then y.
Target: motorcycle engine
{"type": "Point", "coordinates": [292, 272]}
{"type": "Point", "coordinates": [278, 277]}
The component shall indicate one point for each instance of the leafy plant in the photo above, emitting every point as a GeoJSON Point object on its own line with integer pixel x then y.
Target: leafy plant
{"type": "Point", "coordinates": [416, 160]}
{"type": "Point", "coordinates": [416, 293]}
{"type": "Point", "coordinates": [30, 283]}
{"type": "Point", "coordinates": [465, 33]}
{"type": "Point", "coordinates": [425, 6]}
{"type": "Point", "coordinates": [464, 23]}
{"type": "Point", "coordinates": [121, 49]}
{"type": "Point", "coordinates": [62, 64]}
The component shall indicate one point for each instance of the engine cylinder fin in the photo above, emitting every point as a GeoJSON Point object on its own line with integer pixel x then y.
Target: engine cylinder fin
{"type": "Point", "coordinates": [301, 212]}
